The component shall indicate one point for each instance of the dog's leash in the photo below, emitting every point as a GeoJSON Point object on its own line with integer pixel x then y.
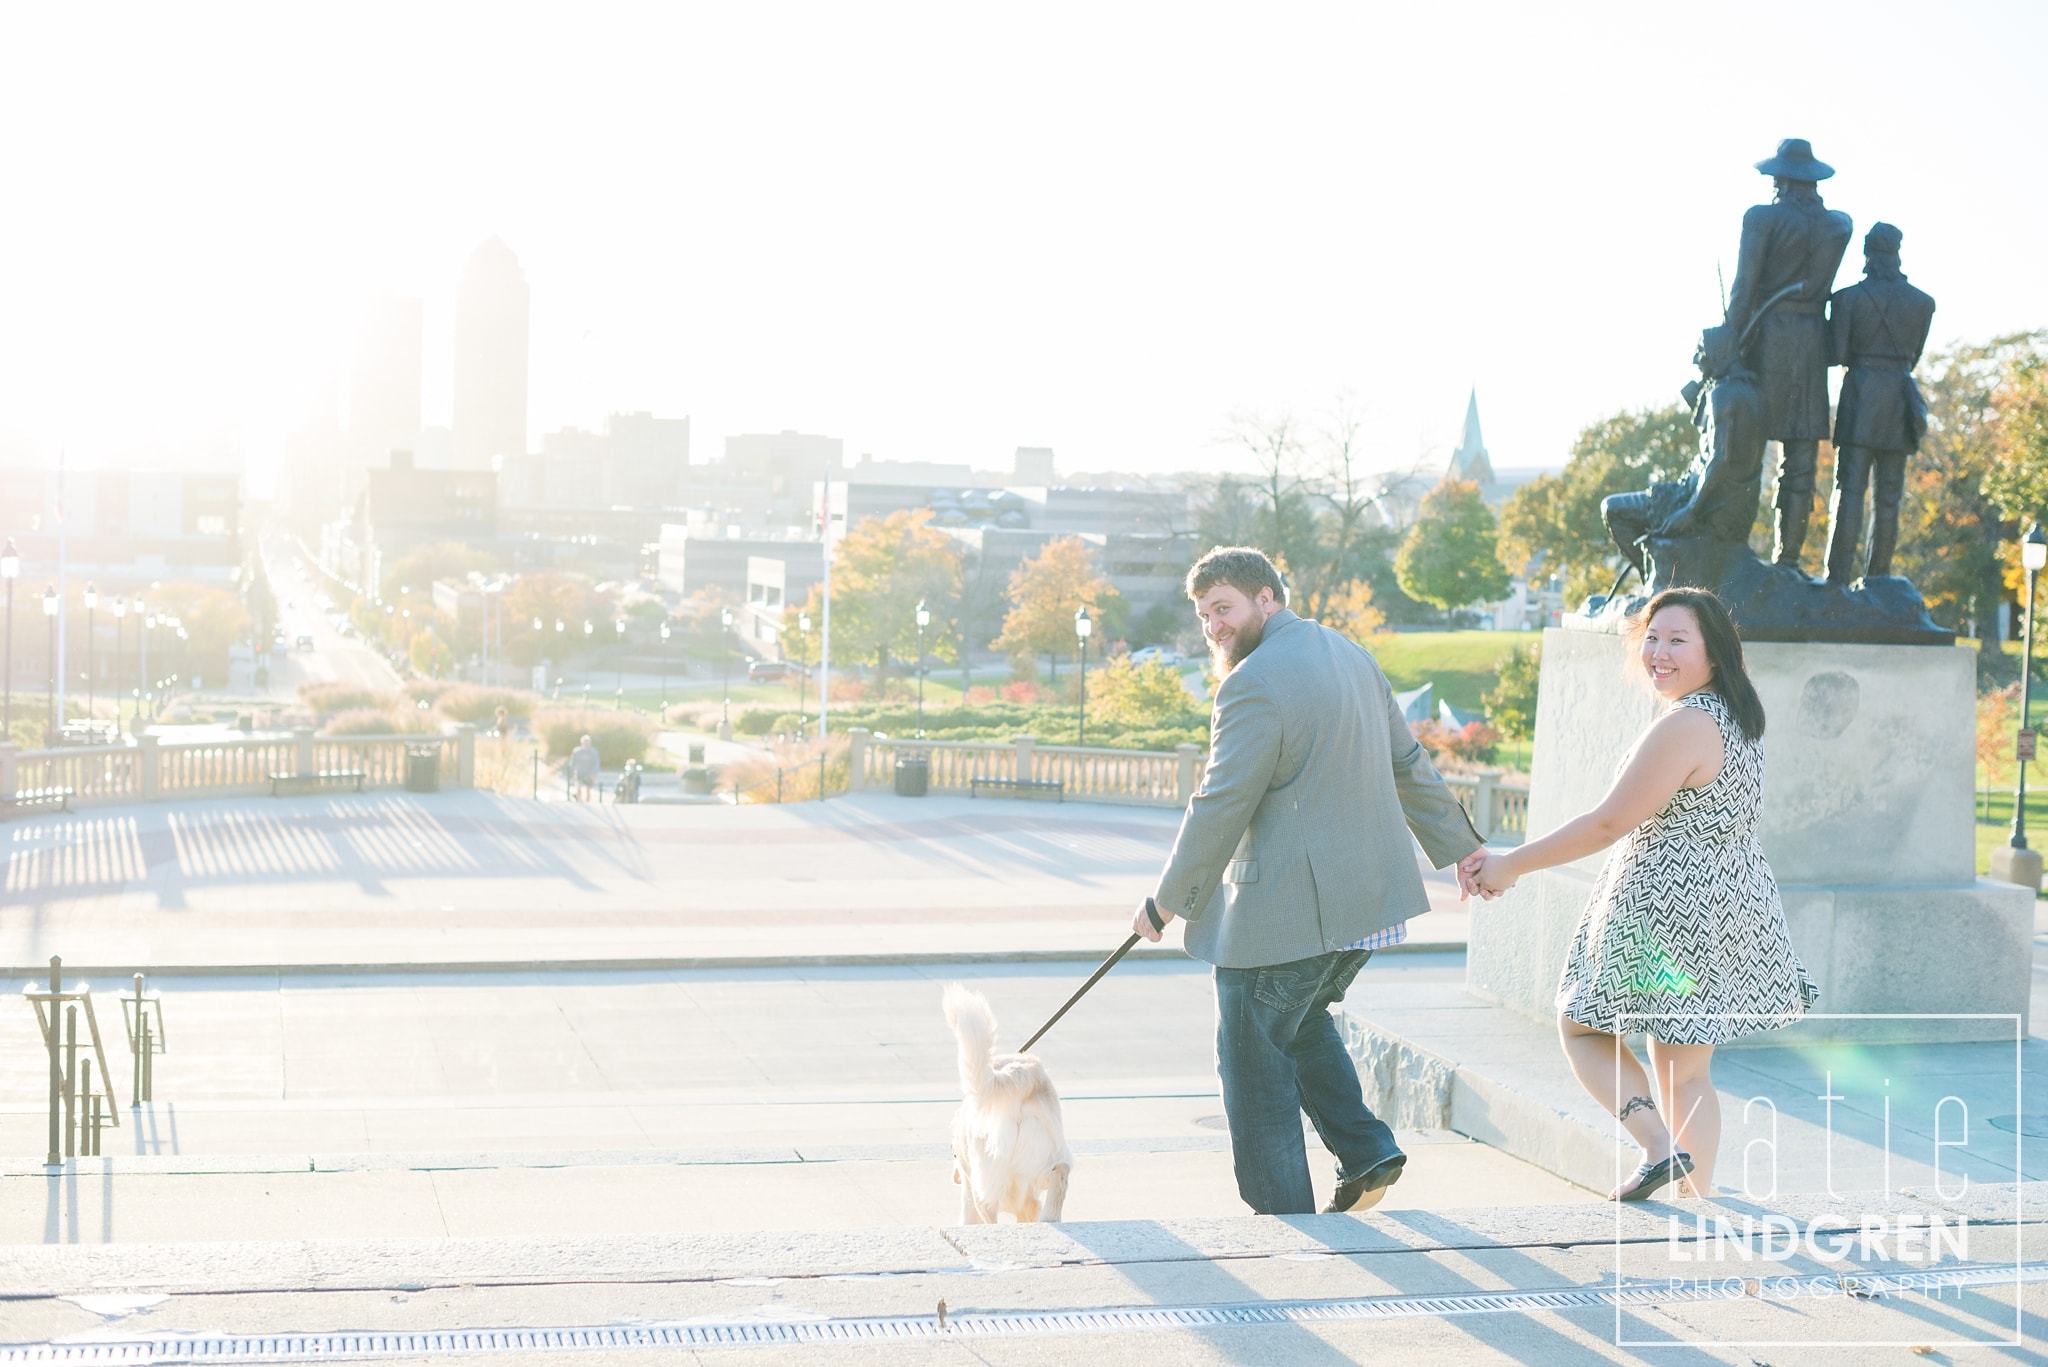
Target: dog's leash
{"type": "Point", "coordinates": [1152, 915]}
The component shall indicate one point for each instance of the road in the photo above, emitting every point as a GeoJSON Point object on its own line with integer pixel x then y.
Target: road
{"type": "Point", "coordinates": [334, 656]}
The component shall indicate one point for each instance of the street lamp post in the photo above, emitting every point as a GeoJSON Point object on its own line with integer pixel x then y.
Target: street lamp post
{"type": "Point", "coordinates": [589, 639]}
{"type": "Point", "coordinates": [2014, 862]}
{"type": "Point", "coordinates": [50, 671]}
{"type": "Point", "coordinates": [619, 697]}
{"type": "Point", "coordinates": [924, 619]}
{"type": "Point", "coordinates": [725, 684]}
{"type": "Point", "coordinates": [664, 666]}
{"type": "Point", "coordinates": [1082, 627]}
{"type": "Point", "coordinates": [145, 692]}
{"type": "Point", "coordinates": [92, 602]}
{"type": "Point", "coordinates": [803, 666]}
{"type": "Point", "coordinates": [10, 570]}
{"type": "Point", "coordinates": [120, 619]}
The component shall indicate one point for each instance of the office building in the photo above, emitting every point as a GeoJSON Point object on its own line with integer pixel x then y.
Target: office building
{"type": "Point", "coordinates": [490, 359]}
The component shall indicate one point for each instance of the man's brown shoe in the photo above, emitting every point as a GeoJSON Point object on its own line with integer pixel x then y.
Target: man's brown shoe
{"type": "Point", "coordinates": [1363, 1193]}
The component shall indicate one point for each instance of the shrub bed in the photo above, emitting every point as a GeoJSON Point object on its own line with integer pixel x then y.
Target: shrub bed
{"type": "Point", "coordinates": [619, 736]}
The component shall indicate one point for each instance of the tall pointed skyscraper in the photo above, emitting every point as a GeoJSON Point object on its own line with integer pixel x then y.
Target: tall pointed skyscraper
{"type": "Point", "coordinates": [1470, 460]}
{"type": "Point", "coordinates": [490, 359]}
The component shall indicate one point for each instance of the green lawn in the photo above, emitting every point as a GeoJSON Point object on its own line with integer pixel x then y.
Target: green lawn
{"type": "Point", "coordinates": [1462, 664]}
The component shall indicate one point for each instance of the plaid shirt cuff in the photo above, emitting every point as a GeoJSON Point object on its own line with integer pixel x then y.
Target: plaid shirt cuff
{"type": "Point", "coordinates": [1380, 939]}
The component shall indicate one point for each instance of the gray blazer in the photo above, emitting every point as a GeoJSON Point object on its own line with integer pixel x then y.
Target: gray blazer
{"type": "Point", "coordinates": [1296, 843]}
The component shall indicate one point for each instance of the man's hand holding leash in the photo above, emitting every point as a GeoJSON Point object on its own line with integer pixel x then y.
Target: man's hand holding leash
{"type": "Point", "coordinates": [1150, 921]}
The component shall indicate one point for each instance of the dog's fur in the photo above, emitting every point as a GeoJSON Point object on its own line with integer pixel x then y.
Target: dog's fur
{"type": "Point", "coordinates": [1009, 1142]}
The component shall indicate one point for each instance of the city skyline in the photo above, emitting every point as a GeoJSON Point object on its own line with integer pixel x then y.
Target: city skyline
{"type": "Point", "coordinates": [1104, 241]}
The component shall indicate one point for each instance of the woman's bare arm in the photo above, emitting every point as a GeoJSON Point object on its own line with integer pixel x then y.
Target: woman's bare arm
{"type": "Point", "coordinates": [1682, 749]}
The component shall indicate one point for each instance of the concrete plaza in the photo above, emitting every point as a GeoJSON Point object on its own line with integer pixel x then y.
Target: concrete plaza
{"type": "Point", "coordinates": [473, 879]}
{"type": "Point", "coordinates": [449, 1062]}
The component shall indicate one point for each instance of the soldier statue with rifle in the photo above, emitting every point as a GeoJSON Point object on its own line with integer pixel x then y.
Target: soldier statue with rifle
{"type": "Point", "coordinates": [1794, 241]}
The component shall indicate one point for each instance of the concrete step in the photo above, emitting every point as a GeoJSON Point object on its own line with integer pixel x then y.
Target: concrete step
{"type": "Point", "coordinates": [1402, 1286]}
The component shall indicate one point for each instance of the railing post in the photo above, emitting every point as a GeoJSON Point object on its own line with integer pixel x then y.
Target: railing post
{"type": "Point", "coordinates": [1485, 781]}
{"type": "Point", "coordinates": [302, 748]}
{"type": "Point", "coordinates": [9, 772]}
{"type": "Point", "coordinates": [856, 758]}
{"type": "Point", "coordinates": [1026, 748]}
{"type": "Point", "coordinates": [149, 766]}
{"type": "Point", "coordinates": [465, 755]}
{"type": "Point", "coordinates": [56, 1042]}
{"type": "Point", "coordinates": [1190, 763]}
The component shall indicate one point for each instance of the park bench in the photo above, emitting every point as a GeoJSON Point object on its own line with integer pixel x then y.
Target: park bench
{"type": "Point", "coordinates": [317, 779]}
{"type": "Point", "coordinates": [60, 798]}
{"type": "Point", "coordinates": [1027, 787]}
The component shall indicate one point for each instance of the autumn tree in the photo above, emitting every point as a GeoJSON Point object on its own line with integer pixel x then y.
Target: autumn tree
{"type": "Point", "coordinates": [2018, 478]}
{"type": "Point", "coordinates": [548, 597]}
{"type": "Point", "coordinates": [1350, 610]}
{"type": "Point", "coordinates": [1555, 519]}
{"type": "Point", "coordinates": [418, 568]}
{"type": "Point", "coordinates": [1138, 695]}
{"type": "Point", "coordinates": [1952, 526]}
{"type": "Point", "coordinates": [1450, 557]}
{"type": "Point", "coordinates": [881, 569]}
{"type": "Point", "coordinates": [1046, 591]}
{"type": "Point", "coordinates": [1511, 702]}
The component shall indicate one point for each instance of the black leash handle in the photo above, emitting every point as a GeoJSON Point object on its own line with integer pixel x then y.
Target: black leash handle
{"type": "Point", "coordinates": [1152, 915]}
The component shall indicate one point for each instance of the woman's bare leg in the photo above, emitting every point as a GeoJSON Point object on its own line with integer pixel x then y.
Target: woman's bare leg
{"type": "Point", "coordinates": [1692, 1106]}
{"type": "Point", "coordinates": [1614, 1077]}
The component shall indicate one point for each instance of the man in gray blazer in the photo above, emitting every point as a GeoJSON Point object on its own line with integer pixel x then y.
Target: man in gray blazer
{"type": "Point", "coordinates": [1292, 865]}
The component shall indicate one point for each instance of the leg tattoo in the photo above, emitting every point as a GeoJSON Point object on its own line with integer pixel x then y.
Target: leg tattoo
{"type": "Point", "coordinates": [1634, 1104]}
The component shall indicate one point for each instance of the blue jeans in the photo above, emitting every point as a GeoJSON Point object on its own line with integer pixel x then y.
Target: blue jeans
{"type": "Point", "coordinates": [1279, 1055]}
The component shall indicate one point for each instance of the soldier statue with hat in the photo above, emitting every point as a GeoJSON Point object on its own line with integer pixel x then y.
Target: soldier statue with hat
{"type": "Point", "coordinates": [1877, 329]}
{"type": "Point", "coordinates": [1790, 250]}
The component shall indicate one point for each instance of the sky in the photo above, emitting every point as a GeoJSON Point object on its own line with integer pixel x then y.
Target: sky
{"type": "Point", "coordinates": [943, 231]}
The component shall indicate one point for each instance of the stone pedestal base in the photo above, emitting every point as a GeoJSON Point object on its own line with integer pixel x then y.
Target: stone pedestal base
{"type": "Point", "coordinates": [2023, 867]}
{"type": "Point", "coordinates": [1867, 825]}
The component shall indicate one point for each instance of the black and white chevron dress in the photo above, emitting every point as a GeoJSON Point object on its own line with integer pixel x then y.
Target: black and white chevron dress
{"type": "Point", "coordinates": [1684, 937]}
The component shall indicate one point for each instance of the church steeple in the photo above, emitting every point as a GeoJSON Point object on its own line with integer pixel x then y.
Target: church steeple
{"type": "Point", "coordinates": [1470, 460]}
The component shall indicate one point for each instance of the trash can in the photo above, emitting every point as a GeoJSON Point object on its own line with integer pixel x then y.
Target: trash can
{"type": "Point", "coordinates": [422, 768]}
{"type": "Point", "coordinates": [913, 775]}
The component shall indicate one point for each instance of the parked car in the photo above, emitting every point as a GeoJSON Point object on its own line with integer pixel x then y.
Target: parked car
{"type": "Point", "coordinates": [770, 671]}
{"type": "Point", "coordinates": [305, 642]}
{"type": "Point", "coordinates": [1165, 655]}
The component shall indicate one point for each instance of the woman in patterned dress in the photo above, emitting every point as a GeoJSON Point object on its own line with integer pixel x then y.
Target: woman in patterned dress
{"type": "Point", "coordinates": [1684, 936]}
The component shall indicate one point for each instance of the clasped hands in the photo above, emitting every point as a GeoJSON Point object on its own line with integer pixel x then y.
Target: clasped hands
{"type": "Point", "coordinates": [1485, 874]}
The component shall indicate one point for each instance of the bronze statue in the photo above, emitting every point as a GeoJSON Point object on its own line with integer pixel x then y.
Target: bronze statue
{"type": "Point", "coordinates": [1790, 250]}
{"type": "Point", "coordinates": [1715, 500]}
{"type": "Point", "coordinates": [1877, 329]}
{"type": "Point", "coordinates": [1763, 377]}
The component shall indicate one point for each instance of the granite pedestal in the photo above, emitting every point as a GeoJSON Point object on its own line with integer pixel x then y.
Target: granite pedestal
{"type": "Point", "coordinates": [1867, 825]}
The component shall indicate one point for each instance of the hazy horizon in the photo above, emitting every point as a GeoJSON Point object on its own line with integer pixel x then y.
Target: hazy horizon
{"type": "Point", "coordinates": [943, 234]}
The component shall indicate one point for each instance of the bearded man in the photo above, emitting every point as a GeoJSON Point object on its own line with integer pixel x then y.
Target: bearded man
{"type": "Point", "coordinates": [1293, 863]}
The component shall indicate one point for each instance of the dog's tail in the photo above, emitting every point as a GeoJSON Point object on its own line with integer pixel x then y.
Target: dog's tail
{"type": "Point", "coordinates": [974, 1025]}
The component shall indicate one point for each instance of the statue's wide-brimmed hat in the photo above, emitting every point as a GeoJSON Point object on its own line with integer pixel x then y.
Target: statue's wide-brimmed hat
{"type": "Point", "coordinates": [1795, 161]}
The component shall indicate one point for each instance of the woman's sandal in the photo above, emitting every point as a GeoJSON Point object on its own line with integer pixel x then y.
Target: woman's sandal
{"type": "Point", "coordinates": [1651, 1177]}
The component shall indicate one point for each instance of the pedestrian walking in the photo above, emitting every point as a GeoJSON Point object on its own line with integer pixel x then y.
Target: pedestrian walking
{"type": "Point", "coordinates": [1684, 935]}
{"type": "Point", "coordinates": [583, 768]}
{"type": "Point", "coordinates": [1292, 865]}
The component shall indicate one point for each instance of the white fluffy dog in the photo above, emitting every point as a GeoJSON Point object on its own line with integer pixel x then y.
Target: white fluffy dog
{"type": "Point", "coordinates": [1010, 1150]}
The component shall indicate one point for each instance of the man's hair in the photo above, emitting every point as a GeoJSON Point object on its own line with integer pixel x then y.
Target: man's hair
{"type": "Point", "coordinates": [1244, 568]}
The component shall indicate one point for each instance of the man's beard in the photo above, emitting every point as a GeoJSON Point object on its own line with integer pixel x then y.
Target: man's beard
{"type": "Point", "coordinates": [1243, 642]}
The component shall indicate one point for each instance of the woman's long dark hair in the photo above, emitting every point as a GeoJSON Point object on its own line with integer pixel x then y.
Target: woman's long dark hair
{"type": "Point", "coordinates": [1724, 652]}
